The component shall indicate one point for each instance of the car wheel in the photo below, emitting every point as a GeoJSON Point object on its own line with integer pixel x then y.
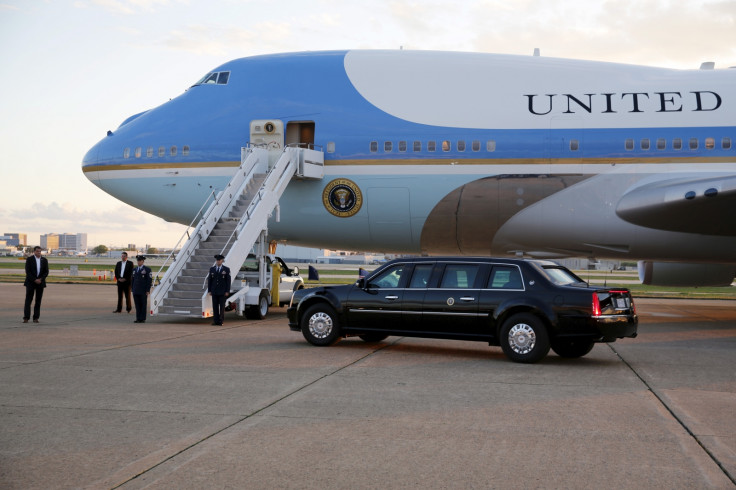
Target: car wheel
{"type": "Point", "coordinates": [259, 311]}
{"type": "Point", "coordinates": [372, 338]}
{"type": "Point", "coordinates": [524, 338]}
{"type": "Point", "coordinates": [319, 325]}
{"type": "Point", "coordinates": [572, 348]}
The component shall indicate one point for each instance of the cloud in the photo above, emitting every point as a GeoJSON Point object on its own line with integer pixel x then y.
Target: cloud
{"type": "Point", "coordinates": [215, 40]}
{"type": "Point", "coordinates": [645, 32]}
{"type": "Point", "coordinates": [53, 217]}
{"type": "Point", "coordinates": [130, 7]}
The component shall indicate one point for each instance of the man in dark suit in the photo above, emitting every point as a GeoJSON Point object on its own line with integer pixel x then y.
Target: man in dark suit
{"type": "Point", "coordinates": [37, 268]}
{"type": "Point", "coordinates": [141, 286]}
{"type": "Point", "coordinates": [218, 286]}
{"type": "Point", "coordinates": [123, 276]}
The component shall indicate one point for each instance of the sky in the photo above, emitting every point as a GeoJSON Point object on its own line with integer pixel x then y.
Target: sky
{"type": "Point", "coordinates": [71, 70]}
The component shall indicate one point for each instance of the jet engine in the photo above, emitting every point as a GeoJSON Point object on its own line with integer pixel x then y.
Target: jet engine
{"type": "Point", "coordinates": [686, 275]}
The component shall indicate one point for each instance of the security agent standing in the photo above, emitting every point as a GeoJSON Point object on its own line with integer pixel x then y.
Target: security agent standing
{"type": "Point", "coordinates": [142, 282]}
{"type": "Point", "coordinates": [218, 286]}
{"type": "Point", "coordinates": [123, 275]}
{"type": "Point", "coordinates": [37, 268]}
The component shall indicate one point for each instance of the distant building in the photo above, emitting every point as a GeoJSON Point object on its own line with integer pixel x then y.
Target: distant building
{"type": "Point", "coordinates": [67, 242]}
{"type": "Point", "coordinates": [131, 246]}
{"type": "Point", "coordinates": [50, 241]}
{"type": "Point", "coordinates": [14, 239]}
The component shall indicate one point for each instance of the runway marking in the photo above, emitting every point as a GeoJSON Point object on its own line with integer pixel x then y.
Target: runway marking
{"type": "Point", "coordinates": [674, 415]}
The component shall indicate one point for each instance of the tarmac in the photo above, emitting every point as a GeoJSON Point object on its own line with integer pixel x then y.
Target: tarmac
{"type": "Point", "coordinates": [90, 400]}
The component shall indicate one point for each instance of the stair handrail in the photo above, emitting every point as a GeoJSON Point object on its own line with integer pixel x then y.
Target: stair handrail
{"type": "Point", "coordinates": [245, 169]}
{"type": "Point", "coordinates": [186, 232]}
{"type": "Point", "coordinates": [259, 195]}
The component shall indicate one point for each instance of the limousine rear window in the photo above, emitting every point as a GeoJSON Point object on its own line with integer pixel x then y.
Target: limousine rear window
{"type": "Point", "coordinates": [562, 276]}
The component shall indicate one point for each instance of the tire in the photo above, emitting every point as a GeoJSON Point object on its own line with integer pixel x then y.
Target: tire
{"type": "Point", "coordinates": [524, 338]}
{"type": "Point", "coordinates": [373, 338]}
{"type": "Point", "coordinates": [572, 348]}
{"type": "Point", "coordinates": [320, 326]}
{"type": "Point", "coordinates": [259, 311]}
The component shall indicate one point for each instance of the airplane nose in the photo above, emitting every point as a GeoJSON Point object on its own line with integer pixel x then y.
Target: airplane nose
{"type": "Point", "coordinates": [88, 165]}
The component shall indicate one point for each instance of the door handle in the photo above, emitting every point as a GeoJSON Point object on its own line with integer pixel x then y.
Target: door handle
{"type": "Point", "coordinates": [392, 297]}
{"type": "Point", "coordinates": [467, 298]}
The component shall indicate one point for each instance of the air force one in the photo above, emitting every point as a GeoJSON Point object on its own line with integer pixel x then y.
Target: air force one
{"type": "Point", "coordinates": [458, 153]}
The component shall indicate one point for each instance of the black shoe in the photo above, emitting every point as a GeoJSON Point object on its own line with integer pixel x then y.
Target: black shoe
{"type": "Point", "coordinates": [35, 321]}
{"type": "Point", "coordinates": [25, 320]}
{"type": "Point", "coordinates": [128, 312]}
{"type": "Point", "coordinates": [137, 321]}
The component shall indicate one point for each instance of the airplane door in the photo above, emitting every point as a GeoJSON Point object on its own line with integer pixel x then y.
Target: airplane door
{"type": "Point", "coordinates": [269, 134]}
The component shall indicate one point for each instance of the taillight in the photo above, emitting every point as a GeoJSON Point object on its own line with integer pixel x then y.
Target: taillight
{"type": "Point", "coordinates": [596, 305]}
{"type": "Point", "coordinates": [633, 306]}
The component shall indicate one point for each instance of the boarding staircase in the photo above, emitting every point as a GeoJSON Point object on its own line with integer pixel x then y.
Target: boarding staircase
{"type": "Point", "coordinates": [230, 223]}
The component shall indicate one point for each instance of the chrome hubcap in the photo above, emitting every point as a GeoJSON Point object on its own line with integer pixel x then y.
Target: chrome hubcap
{"type": "Point", "coordinates": [320, 325]}
{"type": "Point", "coordinates": [522, 338]}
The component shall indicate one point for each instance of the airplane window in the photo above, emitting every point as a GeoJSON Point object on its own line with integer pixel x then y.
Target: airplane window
{"type": "Point", "coordinates": [388, 146]}
{"type": "Point", "coordinates": [476, 145]}
{"type": "Point", "coordinates": [677, 144]}
{"type": "Point", "coordinates": [726, 143]}
{"type": "Point", "coordinates": [211, 79]}
{"type": "Point", "coordinates": [574, 145]}
{"type": "Point", "coordinates": [431, 146]}
{"type": "Point", "coordinates": [461, 145]}
{"type": "Point", "coordinates": [629, 145]}
{"type": "Point", "coordinates": [330, 147]}
{"type": "Point", "coordinates": [644, 143]}
{"type": "Point", "coordinates": [402, 146]}
{"type": "Point", "coordinates": [185, 151]}
{"type": "Point", "coordinates": [374, 146]}
{"type": "Point", "coordinates": [417, 146]}
{"type": "Point", "coordinates": [490, 145]}
{"type": "Point", "coordinates": [126, 153]}
{"type": "Point", "coordinates": [661, 144]}
{"type": "Point", "coordinates": [693, 143]}
{"type": "Point", "coordinates": [446, 146]}
{"type": "Point", "coordinates": [710, 143]}
{"type": "Point", "coordinates": [161, 151]}
{"type": "Point", "coordinates": [138, 152]}
{"type": "Point", "coordinates": [172, 151]}
{"type": "Point", "coordinates": [149, 152]}
{"type": "Point", "coordinates": [223, 78]}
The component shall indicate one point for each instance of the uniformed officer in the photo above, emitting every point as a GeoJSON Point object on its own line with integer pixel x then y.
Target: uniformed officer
{"type": "Point", "coordinates": [218, 286]}
{"type": "Point", "coordinates": [142, 281]}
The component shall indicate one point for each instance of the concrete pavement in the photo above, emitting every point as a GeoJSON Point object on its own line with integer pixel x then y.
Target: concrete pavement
{"type": "Point", "coordinates": [88, 399]}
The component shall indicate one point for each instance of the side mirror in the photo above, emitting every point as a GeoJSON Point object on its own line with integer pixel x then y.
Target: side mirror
{"type": "Point", "coordinates": [361, 283]}
{"type": "Point", "coordinates": [295, 271]}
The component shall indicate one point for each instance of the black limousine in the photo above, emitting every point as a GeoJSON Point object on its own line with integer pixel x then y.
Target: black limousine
{"type": "Point", "coordinates": [525, 306]}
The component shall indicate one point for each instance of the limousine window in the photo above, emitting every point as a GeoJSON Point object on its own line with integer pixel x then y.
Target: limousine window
{"type": "Point", "coordinates": [505, 277]}
{"type": "Point", "coordinates": [421, 275]}
{"type": "Point", "coordinates": [459, 276]}
{"type": "Point", "coordinates": [388, 279]}
{"type": "Point", "coordinates": [561, 276]}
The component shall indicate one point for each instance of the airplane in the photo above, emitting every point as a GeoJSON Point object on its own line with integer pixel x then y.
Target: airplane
{"type": "Point", "coordinates": [430, 152]}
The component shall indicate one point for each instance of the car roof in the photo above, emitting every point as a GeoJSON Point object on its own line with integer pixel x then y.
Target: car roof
{"type": "Point", "coordinates": [495, 260]}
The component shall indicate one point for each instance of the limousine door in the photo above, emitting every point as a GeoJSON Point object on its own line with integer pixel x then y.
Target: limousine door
{"type": "Point", "coordinates": [451, 307]}
{"type": "Point", "coordinates": [378, 305]}
{"type": "Point", "coordinates": [504, 284]}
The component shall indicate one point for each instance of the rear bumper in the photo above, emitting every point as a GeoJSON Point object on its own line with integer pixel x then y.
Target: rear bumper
{"type": "Point", "coordinates": [612, 327]}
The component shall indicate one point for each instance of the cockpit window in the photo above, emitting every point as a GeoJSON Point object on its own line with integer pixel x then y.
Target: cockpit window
{"type": "Point", "coordinates": [214, 78]}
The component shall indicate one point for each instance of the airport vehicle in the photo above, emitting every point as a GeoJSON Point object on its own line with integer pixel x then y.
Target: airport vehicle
{"type": "Point", "coordinates": [455, 153]}
{"type": "Point", "coordinates": [289, 278]}
{"type": "Point", "coordinates": [525, 306]}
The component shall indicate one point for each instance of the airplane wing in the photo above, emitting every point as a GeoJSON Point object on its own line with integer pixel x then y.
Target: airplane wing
{"type": "Point", "coordinates": [704, 205]}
